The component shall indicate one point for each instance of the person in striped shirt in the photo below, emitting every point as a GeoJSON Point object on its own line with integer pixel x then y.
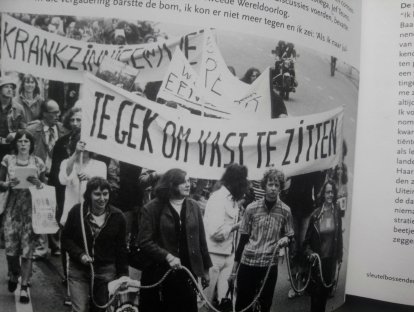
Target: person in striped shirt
{"type": "Point", "coordinates": [265, 222]}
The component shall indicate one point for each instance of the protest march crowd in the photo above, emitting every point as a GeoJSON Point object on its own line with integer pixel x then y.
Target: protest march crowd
{"type": "Point", "coordinates": [113, 214]}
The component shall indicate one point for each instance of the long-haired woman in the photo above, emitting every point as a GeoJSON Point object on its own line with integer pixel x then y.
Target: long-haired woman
{"type": "Point", "coordinates": [29, 97]}
{"type": "Point", "coordinates": [171, 235]}
{"type": "Point", "coordinates": [323, 242]}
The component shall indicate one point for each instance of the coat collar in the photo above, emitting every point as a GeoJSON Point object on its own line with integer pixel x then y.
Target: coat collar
{"type": "Point", "coordinates": [188, 211]}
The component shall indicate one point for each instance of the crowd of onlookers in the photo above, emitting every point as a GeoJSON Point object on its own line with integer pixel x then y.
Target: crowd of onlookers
{"type": "Point", "coordinates": [103, 30]}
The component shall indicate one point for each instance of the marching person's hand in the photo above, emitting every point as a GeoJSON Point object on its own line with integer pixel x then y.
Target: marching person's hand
{"type": "Point", "coordinates": [231, 280]}
{"type": "Point", "coordinates": [83, 176]}
{"type": "Point", "coordinates": [35, 181]}
{"type": "Point", "coordinates": [221, 234]}
{"type": "Point", "coordinates": [85, 259]}
{"type": "Point", "coordinates": [80, 147]}
{"type": "Point", "coordinates": [205, 280]}
{"type": "Point", "coordinates": [218, 237]}
{"type": "Point", "coordinates": [312, 257]}
{"type": "Point", "coordinates": [13, 182]}
{"type": "Point", "coordinates": [173, 262]}
{"type": "Point", "coordinates": [284, 241]}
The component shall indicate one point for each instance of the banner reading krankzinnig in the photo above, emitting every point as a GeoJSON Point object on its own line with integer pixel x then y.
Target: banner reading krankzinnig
{"type": "Point", "coordinates": [133, 129]}
{"type": "Point", "coordinates": [28, 49]}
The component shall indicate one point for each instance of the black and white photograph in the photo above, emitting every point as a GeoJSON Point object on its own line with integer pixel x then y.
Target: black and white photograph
{"type": "Point", "coordinates": [175, 168]}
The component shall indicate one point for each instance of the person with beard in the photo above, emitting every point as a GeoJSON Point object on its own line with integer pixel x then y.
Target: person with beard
{"type": "Point", "coordinates": [72, 121]}
{"type": "Point", "coordinates": [265, 223]}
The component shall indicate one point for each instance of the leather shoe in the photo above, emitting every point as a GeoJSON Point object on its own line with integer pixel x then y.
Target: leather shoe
{"type": "Point", "coordinates": [12, 285]}
{"type": "Point", "coordinates": [24, 296]}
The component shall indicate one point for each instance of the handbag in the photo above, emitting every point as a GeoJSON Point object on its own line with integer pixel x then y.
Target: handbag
{"type": "Point", "coordinates": [226, 303]}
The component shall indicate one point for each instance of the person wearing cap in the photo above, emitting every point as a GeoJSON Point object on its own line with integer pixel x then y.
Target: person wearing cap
{"type": "Point", "coordinates": [12, 116]}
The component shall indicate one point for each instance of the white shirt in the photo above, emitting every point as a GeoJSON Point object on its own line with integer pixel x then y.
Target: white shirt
{"type": "Point", "coordinates": [74, 188]}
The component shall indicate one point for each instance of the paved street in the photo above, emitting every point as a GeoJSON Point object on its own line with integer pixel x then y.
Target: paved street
{"type": "Point", "coordinates": [317, 92]}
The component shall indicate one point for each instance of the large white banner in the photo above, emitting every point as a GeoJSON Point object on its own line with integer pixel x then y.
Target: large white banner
{"type": "Point", "coordinates": [219, 85]}
{"type": "Point", "coordinates": [28, 49]}
{"type": "Point", "coordinates": [180, 84]}
{"type": "Point", "coordinates": [183, 85]}
{"type": "Point", "coordinates": [133, 129]}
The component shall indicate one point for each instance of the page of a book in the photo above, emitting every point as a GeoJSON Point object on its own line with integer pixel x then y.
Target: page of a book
{"type": "Point", "coordinates": [200, 85]}
{"type": "Point", "coordinates": [381, 247]}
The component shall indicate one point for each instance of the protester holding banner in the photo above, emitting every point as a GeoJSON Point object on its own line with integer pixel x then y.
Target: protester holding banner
{"type": "Point", "coordinates": [19, 236]}
{"type": "Point", "coordinates": [221, 221]}
{"type": "Point", "coordinates": [76, 171]}
{"type": "Point", "coordinates": [172, 235]}
{"type": "Point", "coordinates": [71, 121]}
{"type": "Point", "coordinates": [29, 97]}
{"type": "Point", "coordinates": [324, 243]}
{"type": "Point", "coordinates": [266, 223]}
{"type": "Point", "coordinates": [94, 229]}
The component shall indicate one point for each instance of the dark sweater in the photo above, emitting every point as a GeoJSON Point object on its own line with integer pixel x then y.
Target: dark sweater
{"type": "Point", "coordinates": [109, 246]}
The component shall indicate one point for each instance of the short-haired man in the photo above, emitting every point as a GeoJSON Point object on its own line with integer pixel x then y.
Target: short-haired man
{"type": "Point", "coordinates": [45, 133]}
{"type": "Point", "coordinates": [12, 117]}
{"type": "Point", "coordinates": [265, 222]}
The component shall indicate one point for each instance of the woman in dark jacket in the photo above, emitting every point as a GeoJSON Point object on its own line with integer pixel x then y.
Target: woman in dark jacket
{"type": "Point", "coordinates": [324, 238]}
{"type": "Point", "coordinates": [105, 231]}
{"type": "Point", "coordinates": [171, 235]}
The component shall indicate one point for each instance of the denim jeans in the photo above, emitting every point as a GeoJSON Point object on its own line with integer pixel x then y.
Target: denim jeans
{"type": "Point", "coordinates": [79, 280]}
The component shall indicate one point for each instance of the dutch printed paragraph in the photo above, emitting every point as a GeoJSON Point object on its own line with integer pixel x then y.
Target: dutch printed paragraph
{"type": "Point", "coordinates": [403, 226]}
{"type": "Point", "coordinates": [275, 14]}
